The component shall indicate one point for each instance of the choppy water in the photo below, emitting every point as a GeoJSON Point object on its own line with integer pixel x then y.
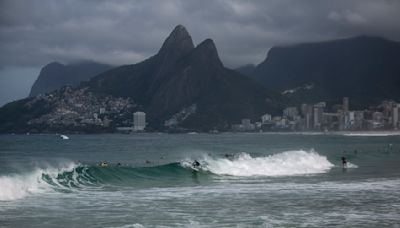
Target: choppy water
{"type": "Point", "coordinates": [245, 180]}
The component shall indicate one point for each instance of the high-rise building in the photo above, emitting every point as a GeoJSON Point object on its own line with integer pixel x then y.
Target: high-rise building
{"type": "Point", "coordinates": [395, 116]}
{"type": "Point", "coordinates": [304, 109]}
{"type": "Point", "coordinates": [139, 121]}
{"type": "Point", "coordinates": [351, 117]}
{"type": "Point", "coordinates": [341, 119]}
{"type": "Point", "coordinates": [318, 111]}
{"type": "Point", "coordinates": [290, 112]}
{"type": "Point", "coordinates": [307, 113]}
{"type": "Point", "coordinates": [358, 120]}
{"type": "Point", "coordinates": [308, 120]}
{"type": "Point", "coordinates": [345, 105]}
{"type": "Point", "coordinates": [266, 118]}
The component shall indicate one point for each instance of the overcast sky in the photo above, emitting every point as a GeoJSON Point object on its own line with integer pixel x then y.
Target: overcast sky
{"type": "Point", "coordinates": [36, 32]}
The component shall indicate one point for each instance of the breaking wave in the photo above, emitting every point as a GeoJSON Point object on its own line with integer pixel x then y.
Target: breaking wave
{"type": "Point", "coordinates": [74, 177]}
{"type": "Point", "coordinates": [287, 163]}
{"type": "Point", "coordinates": [18, 186]}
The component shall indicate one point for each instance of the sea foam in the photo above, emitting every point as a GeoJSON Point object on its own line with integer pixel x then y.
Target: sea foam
{"type": "Point", "coordinates": [18, 186]}
{"type": "Point", "coordinates": [373, 133]}
{"type": "Point", "coordinates": [296, 162]}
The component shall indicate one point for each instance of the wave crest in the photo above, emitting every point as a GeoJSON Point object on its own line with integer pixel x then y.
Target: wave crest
{"type": "Point", "coordinates": [287, 163]}
{"type": "Point", "coordinates": [18, 186]}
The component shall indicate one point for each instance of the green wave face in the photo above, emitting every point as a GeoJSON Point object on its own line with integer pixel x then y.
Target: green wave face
{"type": "Point", "coordinates": [84, 176]}
{"type": "Point", "coordinates": [242, 167]}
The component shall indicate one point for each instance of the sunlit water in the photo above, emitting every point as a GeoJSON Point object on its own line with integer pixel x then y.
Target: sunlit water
{"type": "Point", "coordinates": [244, 180]}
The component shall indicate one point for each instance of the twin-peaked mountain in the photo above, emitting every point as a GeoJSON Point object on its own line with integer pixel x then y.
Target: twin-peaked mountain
{"type": "Point", "coordinates": [56, 75]}
{"type": "Point", "coordinates": [181, 75]}
{"type": "Point", "coordinates": [182, 86]}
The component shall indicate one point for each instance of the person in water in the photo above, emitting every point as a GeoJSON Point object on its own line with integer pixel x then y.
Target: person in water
{"type": "Point", "coordinates": [344, 162]}
{"type": "Point", "coordinates": [228, 155]}
{"type": "Point", "coordinates": [103, 164]}
{"type": "Point", "coordinates": [196, 164]}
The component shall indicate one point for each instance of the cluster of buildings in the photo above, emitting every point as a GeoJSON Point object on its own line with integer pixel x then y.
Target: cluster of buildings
{"type": "Point", "coordinates": [138, 124]}
{"type": "Point", "coordinates": [318, 117]}
{"type": "Point", "coordinates": [80, 108]}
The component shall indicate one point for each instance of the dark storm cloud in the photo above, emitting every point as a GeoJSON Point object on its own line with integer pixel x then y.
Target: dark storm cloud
{"type": "Point", "coordinates": [118, 32]}
{"type": "Point", "coordinates": [35, 32]}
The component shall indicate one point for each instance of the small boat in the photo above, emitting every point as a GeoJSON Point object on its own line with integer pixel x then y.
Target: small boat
{"type": "Point", "coordinates": [64, 137]}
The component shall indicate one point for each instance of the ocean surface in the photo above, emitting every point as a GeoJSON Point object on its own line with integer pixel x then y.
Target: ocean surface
{"type": "Point", "coordinates": [244, 180]}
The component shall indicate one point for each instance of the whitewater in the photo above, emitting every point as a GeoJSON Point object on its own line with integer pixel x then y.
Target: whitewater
{"type": "Point", "coordinates": [245, 180]}
{"type": "Point", "coordinates": [72, 176]}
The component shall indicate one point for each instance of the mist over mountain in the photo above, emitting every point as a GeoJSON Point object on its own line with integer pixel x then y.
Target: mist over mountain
{"type": "Point", "coordinates": [366, 69]}
{"type": "Point", "coordinates": [56, 75]}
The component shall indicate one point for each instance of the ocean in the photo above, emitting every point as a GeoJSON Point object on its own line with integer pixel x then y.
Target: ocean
{"type": "Point", "coordinates": [244, 180]}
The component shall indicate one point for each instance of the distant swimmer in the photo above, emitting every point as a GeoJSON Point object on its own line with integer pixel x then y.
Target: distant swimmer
{"type": "Point", "coordinates": [228, 155]}
{"type": "Point", "coordinates": [196, 164]}
{"type": "Point", "coordinates": [103, 164]}
{"type": "Point", "coordinates": [344, 162]}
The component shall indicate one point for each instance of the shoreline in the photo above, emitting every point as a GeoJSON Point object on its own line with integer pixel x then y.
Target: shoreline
{"type": "Point", "coordinates": [339, 133]}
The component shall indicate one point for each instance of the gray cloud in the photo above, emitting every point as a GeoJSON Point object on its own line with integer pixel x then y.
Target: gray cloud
{"type": "Point", "coordinates": [35, 32]}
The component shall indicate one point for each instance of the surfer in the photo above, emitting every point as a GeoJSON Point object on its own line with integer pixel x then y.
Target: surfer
{"type": "Point", "coordinates": [228, 155]}
{"type": "Point", "coordinates": [344, 162]}
{"type": "Point", "coordinates": [103, 164]}
{"type": "Point", "coordinates": [196, 164]}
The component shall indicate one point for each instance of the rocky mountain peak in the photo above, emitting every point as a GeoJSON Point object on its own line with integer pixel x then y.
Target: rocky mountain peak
{"type": "Point", "coordinates": [178, 41]}
{"type": "Point", "coordinates": [207, 52]}
{"type": "Point", "coordinates": [52, 66]}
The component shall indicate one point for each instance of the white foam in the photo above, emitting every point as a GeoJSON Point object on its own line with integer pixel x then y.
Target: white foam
{"type": "Point", "coordinates": [18, 186]}
{"type": "Point", "coordinates": [373, 133]}
{"type": "Point", "coordinates": [297, 162]}
{"type": "Point", "coordinates": [135, 225]}
{"type": "Point", "coordinates": [351, 165]}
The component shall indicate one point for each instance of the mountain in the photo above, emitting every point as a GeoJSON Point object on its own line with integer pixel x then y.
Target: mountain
{"type": "Point", "coordinates": [56, 75]}
{"type": "Point", "coordinates": [183, 86]}
{"type": "Point", "coordinates": [366, 69]}
{"type": "Point", "coordinates": [181, 75]}
{"type": "Point", "coordinates": [246, 69]}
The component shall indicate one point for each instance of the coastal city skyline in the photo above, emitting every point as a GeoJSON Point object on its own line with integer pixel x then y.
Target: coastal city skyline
{"type": "Point", "coordinates": [316, 117]}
